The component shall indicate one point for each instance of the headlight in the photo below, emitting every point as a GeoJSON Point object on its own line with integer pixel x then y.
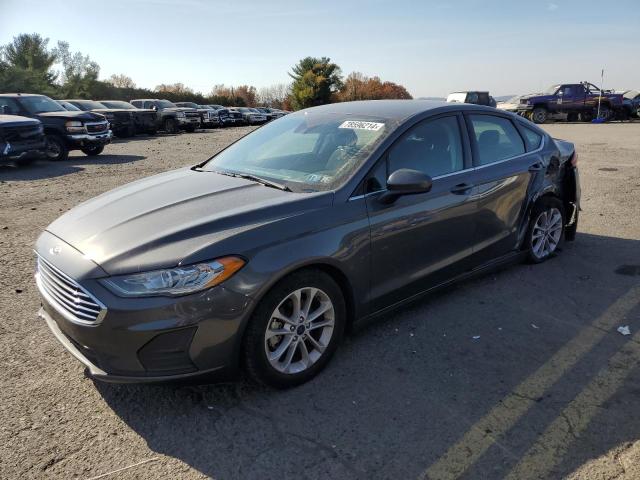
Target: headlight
{"type": "Point", "coordinates": [74, 127]}
{"type": "Point", "coordinates": [181, 114]}
{"type": "Point", "coordinates": [174, 281]}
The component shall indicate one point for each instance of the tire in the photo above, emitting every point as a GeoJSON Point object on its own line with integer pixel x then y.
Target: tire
{"type": "Point", "coordinates": [289, 365]}
{"type": "Point", "coordinates": [93, 151]}
{"type": "Point", "coordinates": [605, 113]}
{"type": "Point", "coordinates": [539, 115]}
{"type": "Point", "coordinates": [546, 229]}
{"type": "Point", "coordinates": [56, 149]}
{"type": "Point", "coordinates": [586, 117]}
{"type": "Point", "coordinates": [171, 125]}
{"type": "Point", "coordinates": [572, 117]}
{"type": "Point", "coordinates": [190, 128]}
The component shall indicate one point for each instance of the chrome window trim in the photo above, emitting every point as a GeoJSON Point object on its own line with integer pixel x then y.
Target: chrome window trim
{"type": "Point", "coordinates": [537, 150]}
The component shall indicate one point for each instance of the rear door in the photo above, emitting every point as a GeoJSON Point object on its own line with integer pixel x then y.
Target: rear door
{"type": "Point", "coordinates": [504, 168]}
{"type": "Point", "coordinates": [420, 241]}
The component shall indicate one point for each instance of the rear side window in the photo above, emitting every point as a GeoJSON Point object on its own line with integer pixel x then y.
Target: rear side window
{"type": "Point", "coordinates": [433, 147]}
{"type": "Point", "coordinates": [532, 139]}
{"type": "Point", "coordinates": [496, 137]}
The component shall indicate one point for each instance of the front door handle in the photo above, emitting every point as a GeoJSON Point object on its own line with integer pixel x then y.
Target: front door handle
{"type": "Point", "coordinates": [536, 167]}
{"type": "Point", "coordinates": [462, 189]}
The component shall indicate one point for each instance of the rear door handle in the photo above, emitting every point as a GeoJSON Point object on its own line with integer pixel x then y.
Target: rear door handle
{"type": "Point", "coordinates": [462, 189]}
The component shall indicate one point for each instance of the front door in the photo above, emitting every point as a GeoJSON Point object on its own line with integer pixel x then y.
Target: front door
{"type": "Point", "coordinates": [420, 241]}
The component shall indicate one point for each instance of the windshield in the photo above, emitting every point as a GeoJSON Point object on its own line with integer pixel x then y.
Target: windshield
{"type": "Point", "coordinates": [90, 105]}
{"type": "Point", "coordinates": [117, 104]}
{"type": "Point", "coordinates": [40, 104]}
{"type": "Point", "coordinates": [165, 104]}
{"type": "Point", "coordinates": [552, 89]}
{"type": "Point", "coordinates": [188, 104]}
{"type": "Point", "coordinates": [69, 106]}
{"type": "Point", "coordinates": [306, 151]}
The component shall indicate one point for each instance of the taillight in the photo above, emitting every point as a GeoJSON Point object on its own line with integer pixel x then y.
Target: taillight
{"type": "Point", "coordinates": [574, 159]}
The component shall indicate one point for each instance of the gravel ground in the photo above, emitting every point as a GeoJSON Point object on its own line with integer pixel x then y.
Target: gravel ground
{"type": "Point", "coordinates": [549, 390]}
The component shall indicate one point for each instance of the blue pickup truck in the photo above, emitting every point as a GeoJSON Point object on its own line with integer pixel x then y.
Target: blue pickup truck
{"type": "Point", "coordinates": [571, 101]}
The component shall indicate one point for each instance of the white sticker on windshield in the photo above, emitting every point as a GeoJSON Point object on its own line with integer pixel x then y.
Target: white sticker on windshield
{"type": "Point", "coordinates": [356, 125]}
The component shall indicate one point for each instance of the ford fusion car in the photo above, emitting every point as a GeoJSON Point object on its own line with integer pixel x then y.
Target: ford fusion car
{"type": "Point", "coordinates": [264, 255]}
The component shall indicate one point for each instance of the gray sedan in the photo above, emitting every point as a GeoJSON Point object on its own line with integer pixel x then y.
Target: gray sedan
{"type": "Point", "coordinates": [264, 255]}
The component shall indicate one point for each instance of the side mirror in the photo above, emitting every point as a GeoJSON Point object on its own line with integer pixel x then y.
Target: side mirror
{"type": "Point", "coordinates": [4, 109]}
{"type": "Point", "coordinates": [405, 182]}
{"type": "Point", "coordinates": [154, 108]}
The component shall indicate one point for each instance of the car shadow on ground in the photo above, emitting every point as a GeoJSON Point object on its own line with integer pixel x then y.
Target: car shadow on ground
{"type": "Point", "coordinates": [520, 372]}
{"type": "Point", "coordinates": [43, 169]}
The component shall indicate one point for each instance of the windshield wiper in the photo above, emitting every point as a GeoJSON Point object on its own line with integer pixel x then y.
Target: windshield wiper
{"type": "Point", "coordinates": [263, 181]}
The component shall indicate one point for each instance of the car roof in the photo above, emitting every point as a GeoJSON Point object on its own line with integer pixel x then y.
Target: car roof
{"type": "Point", "coordinates": [396, 109]}
{"type": "Point", "coordinates": [21, 95]}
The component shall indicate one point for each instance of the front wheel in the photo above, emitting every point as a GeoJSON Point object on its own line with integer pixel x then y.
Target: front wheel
{"type": "Point", "coordinates": [56, 150]}
{"type": "Point", "coordinates": [171, 125]}
{"type": "Point", "coordinates": [93, 150]}
{"type": "Point", "coordinates": [295, 330]}
{"type": "Point", "coordinates": [539, 115]}
{"type": "Point", "coordinates": [545, 230]}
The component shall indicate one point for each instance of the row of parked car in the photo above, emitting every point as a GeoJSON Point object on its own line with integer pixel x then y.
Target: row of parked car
{"type": "Point", "coordinates": [35, 126]}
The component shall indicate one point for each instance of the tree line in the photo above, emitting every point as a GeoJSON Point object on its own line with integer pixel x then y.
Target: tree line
{"type": "Point", "coordinates": [29, 65]}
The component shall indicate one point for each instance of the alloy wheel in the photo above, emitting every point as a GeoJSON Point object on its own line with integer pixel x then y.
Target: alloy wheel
{"type": "Point", "coordinates": [547, 230]}
{"type": "Point", "coordinates": [299, 330]}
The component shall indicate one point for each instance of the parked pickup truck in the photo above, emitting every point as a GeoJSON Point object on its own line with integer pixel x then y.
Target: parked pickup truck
{"type": "Point", "coordinates": [208, 116]}
{"type": "Point", "coordinates": [571, 101]}
{"type": "Point", "coordinates": [64, 130]}
{"type": "Point", "coordinates": [170, 117]}
{"type": "Point", "coordinates": [121, 120]}
{"type": "Point", "coordinates": [21, 139]}
{"type": "Point", "coordinates": [144, 120]}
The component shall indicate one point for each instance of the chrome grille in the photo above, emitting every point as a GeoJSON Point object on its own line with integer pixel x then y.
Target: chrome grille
{"type": "Point", "coordinates": [100, 127]}
{"type": "Point", "coordinates": [66, 296]}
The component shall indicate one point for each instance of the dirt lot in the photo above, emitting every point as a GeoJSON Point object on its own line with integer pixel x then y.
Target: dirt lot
{"type": "Point", "coordinates": [550, 389]}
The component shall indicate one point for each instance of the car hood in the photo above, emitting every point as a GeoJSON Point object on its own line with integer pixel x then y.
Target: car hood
{"type": "Point", "coordinates": [161, 220]}
{"type": "Point", "coordinates": [16, 120]}
{"type": "Point", "coordinates": [180, 109]}
{"type": "Point", "coordinates": [86, 116]}
{"type": "Point", "coordinates": [111, 110]}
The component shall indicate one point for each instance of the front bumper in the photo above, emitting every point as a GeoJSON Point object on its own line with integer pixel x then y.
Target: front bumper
{"type": "Point", "coordinates": [20, 151]}
{"type": "Point", "coordinates": [144, 339]}
{"type": "Point", "coordinates": [84, 139]}
{"type": "Point", "coordinates": [186, 121]}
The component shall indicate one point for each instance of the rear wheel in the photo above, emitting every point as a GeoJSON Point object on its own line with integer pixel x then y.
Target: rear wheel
{"type": "Point", "coordinates": [295, 330]}
{"type": "Point", "coordinates": [56, 150]}
{"type": "Point", "coordinates": [604, 114]}
{"type": "Point", "coordinates": [546, 229]}
{"type": "Point", "coordinates": [539, 115]}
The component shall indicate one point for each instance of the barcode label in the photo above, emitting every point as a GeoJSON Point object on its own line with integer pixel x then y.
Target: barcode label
{"type": "Point", "coordinates": [356, 125]}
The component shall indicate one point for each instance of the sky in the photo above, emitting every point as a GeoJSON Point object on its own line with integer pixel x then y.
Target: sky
{"type": "Point", "coordinates": [430, 47]}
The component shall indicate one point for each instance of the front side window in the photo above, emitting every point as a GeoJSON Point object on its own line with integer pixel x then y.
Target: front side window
{"type": "Point", "coordinates": [165, 104]}
{"type": "Point", "coordinates": [433, 147]}
{"type": "Point", "coordinates": [40, 104]}
{"type": "Point", "coordinates": [307, 151]}
{"type": "Point", "coordinates": [10, 106]}
{"type": "Point", "coordinates": [496, 137]}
